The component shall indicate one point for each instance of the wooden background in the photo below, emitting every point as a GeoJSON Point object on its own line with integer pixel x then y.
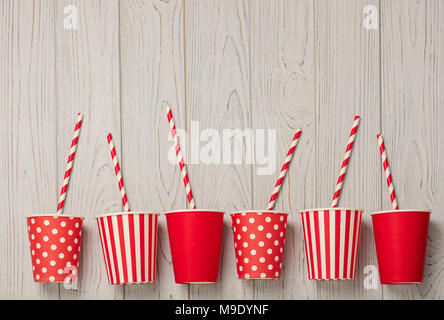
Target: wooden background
{"type": "Point", "coordinates": [262, 64]}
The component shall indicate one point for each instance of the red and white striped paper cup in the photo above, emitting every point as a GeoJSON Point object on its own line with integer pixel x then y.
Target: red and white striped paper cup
{"type": "Point", "coordinates": [259, 238]}
{"type": "Point", "coordinates": [55, 247]}
{"type": "Point", "coordinates": [129, 245]}
{"type": "Point", "coordinates": [331, 242]}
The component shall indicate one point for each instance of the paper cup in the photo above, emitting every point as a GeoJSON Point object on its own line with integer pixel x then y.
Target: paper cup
{"type": "Point", "coordinates": [259, 237]}
{"type": "Point", "coordinates": [129, 245]}
{"type": "Point", "coordinates": [195, 241]}
{"type": "Point", "coordinates": [401, 242]}
{"type": "Point", "coordinates": [331, 242]}
{"type": "Point", "coordinates": [55, 247]}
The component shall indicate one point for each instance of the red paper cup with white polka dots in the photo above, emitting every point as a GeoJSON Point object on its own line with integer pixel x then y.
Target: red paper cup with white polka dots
{"type": "Point", "coordinates": [55, 247]}
{"type": "Point", "coordinates": [259, 238]}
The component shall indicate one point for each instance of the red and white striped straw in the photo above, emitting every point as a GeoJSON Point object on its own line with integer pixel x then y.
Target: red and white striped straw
{"type": "Point", "coordinates": [284, 169]}
{"type": "Point", "coordinates": [118, 174]}
{"type": "Point", "coordinates": [72, 153]}
{"type": "Point", "coordinates": [387, 172]}
{"type": "Point", "coordinates": [351, 141]}
{"type": "Point", "coordinates": [183, 170]}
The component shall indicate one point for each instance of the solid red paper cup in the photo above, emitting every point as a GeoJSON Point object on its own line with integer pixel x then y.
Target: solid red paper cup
{"type": "Point", "coordinates": [129, 245]}
{"type": "Point", "coordinates": [401, 243]}
{"type": "Point", "coordinates": [55, 247]}
{"type": "Point", "coordinates": [259, 238]}
{"type": "Point", "coordinates": [331, 242]}
{"type": "Point", "coordinates": [195, 241]}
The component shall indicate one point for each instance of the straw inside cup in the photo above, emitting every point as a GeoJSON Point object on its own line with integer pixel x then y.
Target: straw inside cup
{"type": "Point", "coordinates": [118, 173]}
{"type": "Point", "coordinates": [179, 155]}
{"type": "Point", "coordinates": [70, 163]}
{"type": "Point", "coordinates": [284, 169]}
{"type": "Point", "coordinates": [343, 171]}
{"type": "Point", "coordinates": [55, 238]}
{"type": "Point", "coordinates": [388, 175]}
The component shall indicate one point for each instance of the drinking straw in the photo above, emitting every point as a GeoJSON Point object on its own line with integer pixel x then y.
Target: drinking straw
{"type": "Point", "coordinates": [72, 153]}
{"type": "Point", "coordinates": [186, 182]}
{"type": "Point", "coordinates": [344, 166]}
{"type": "Point", "coordinates": [387, 172]}
{"type": "Point", "coordinates": [118, 174]}
{"type": "Point", "coordinates": [281, 177]}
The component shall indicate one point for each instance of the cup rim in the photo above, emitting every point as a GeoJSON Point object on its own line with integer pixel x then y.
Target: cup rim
{"type": "Point", "coordinates": [54, 215]}
{"type": "Point", "coordinates": [338, 208]}
{"type": "Point", "coordinates": [399, 210]}
{"type": "Point", "coordinates": [248, 279]}
{"type": "Point", "coordinates": [194, 210]}
{"type": "Point", "coordinates": [259, 211]}
{"type": "Point", "coordinates": [131, 282]}
{"type": "Point", "coordinates": [111, 214]}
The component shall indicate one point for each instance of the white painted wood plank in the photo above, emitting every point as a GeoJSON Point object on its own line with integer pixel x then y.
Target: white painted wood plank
{"type": "Point", "coordinates": [347, 83]}
{"type": "Point", "coordinates": [412, 92]}
{"type": "Point", "coordinates": [218, 97]}
{"type": "Point", "coordinates": [6, 24]}
{"type": "Point", "coordinates": [152, 71]}
{"type": "Point", "coordinates": [28, 138]}
{"type": "Point", "coordinates": [312, 66]}
{"type": "Point", "coordinates": [283, 99]}
{"type": "Point", "coordinates": [87, 81]}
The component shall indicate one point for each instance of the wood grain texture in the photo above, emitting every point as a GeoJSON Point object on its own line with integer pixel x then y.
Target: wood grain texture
{"type": "Point", "coordinates": [283, 99]}
{"type": "Point", "coordinates": [29, 115]}
{"type": "Point", "coordinates": [347, 56]}
{"type": "Point", "coordinates": [218, 97]}
{"type": "Point", "coordinates": [152, 65]}
{"type": "Point", "coordinates": [412, 92]}
{"type": "Point", "coordinates": [87, 81]}
{"type": "Point", "coordinates": [6, 24]}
